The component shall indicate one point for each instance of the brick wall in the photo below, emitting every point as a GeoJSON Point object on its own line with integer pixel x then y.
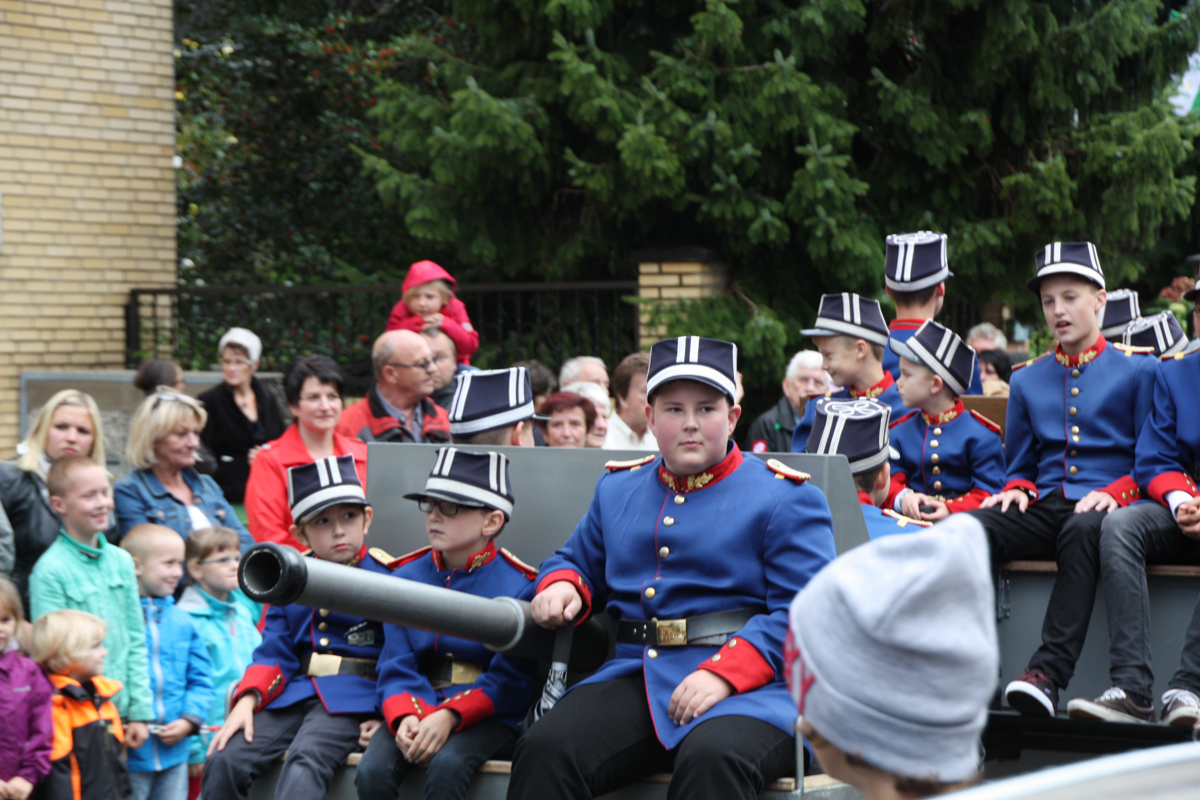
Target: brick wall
{"type": "Point", "coordinates": [674, 280]}
{"type": "Point", "coordinates": [87, 184]}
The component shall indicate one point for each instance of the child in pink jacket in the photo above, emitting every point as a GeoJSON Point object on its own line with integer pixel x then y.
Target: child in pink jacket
{"type": "Point", "coordinates": [429, 302]}
{"type": "Point", "coordinates": [25, 697]}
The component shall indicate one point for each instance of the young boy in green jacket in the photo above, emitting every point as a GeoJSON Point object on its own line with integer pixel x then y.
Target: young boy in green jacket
{"type": "Point", "coordinates": [82, 571]}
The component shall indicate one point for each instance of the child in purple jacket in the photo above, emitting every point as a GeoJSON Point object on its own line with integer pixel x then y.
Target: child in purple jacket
{"type": "Point", "coordinates": [25, 738]}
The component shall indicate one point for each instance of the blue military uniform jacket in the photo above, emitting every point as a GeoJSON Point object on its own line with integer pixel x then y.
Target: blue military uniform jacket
{"type": "Point", "coordinates": [882, 523]}
{"type": "Point", "coordinates": [737, 536]}
{"type": "Point", "coordinates": [905, 329]}
{"type": "Point", "coordinates": [1073, 421]}
{"type": "Point", "coordinates": [1168, 450]}
{"type": "Point", "coordinates": [956, 456]}
{"type": "Point", "coordinates": [503, 691]}
{"type": "Point", "coordinates": [885, 392]}
{"type": "Point", "coordinates": [294, 633]}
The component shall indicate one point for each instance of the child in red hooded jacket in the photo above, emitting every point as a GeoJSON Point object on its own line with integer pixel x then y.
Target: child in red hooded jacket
{"type": "Point", "coordinates": [429, 302]}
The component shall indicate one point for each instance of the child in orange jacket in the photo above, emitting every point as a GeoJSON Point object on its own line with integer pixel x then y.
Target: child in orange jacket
{"type": "Point", "coordinates": [429, 302]}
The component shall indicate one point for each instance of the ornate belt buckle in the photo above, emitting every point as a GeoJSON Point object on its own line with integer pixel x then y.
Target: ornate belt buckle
{"type": "Point", "coordinates": [464, 673]}
{"type": "Point", "coordinates": [322, 665]}
{"type": "Point", "coordinates": [671, 632]}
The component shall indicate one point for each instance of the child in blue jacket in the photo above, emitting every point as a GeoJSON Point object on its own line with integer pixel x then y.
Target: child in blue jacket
{"type": "Point", "coordinates": [180, 671]}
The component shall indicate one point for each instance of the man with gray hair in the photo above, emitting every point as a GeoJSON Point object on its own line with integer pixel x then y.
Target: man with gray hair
{"type": "Point", "coordinates": [986, 336]}
{"type": "Point", "coordinates": [587, 369]}
{"type": "Point", "coordinates": [397, 408]}
{"type": "Point", "coordinates": [805, 378]}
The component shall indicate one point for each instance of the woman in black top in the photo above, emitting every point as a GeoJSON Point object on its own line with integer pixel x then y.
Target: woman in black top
{"type": "Point", "coordinates": [243, 414]}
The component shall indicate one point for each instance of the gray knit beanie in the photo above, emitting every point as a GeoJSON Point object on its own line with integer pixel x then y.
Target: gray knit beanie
{"type": "Point", "coordinates": [893, 653]}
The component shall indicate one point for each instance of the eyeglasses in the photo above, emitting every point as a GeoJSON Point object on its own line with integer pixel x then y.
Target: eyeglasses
{"type": "Point", "coordinates": [223, 561]}
{"type": "Point", "coordinates": [443, 507]}
{"type": "Point", "coordinates": [422, 365]}
{"type": "Point", "coordinates": [234, 362]}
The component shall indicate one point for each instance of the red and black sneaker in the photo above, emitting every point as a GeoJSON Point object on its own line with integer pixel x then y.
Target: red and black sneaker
{"type": "Point", "coordinates": [1033, 694]}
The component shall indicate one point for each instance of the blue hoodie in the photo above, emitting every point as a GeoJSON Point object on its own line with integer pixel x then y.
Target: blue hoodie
{"type": "Point", "coordinates": [181, 684]}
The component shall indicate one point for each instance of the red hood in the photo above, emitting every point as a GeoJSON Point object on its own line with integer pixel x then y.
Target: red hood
{"type": "Point", "coordinates": [424, 272]}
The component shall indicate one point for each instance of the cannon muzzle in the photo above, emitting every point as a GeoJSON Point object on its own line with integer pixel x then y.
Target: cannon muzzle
{"type": "Point", "coordinates": [279, 575]}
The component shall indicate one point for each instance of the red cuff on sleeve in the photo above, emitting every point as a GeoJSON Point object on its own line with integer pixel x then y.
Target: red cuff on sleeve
{"type": "Point", "coordinates": [1028, 487]}
{"type": "Point", "coordinates": [399, 706]}
{"type": "Point", "coordinates": [969, 501]}
{"type": "Point", "coordinates": [741, 664]}
{"type": "Point", "coordinates": [1124, 490]}
{"type": "Point", "coordinates": [899, 484]}
{"type": "Point", "coordinates": [267, 681]}
{"type": "Point", "coordinates": [575, 579]}
{"type": "Point", "coordinates": [1168, 482]}
{"type": "Point", "coordinates": [472, 705]}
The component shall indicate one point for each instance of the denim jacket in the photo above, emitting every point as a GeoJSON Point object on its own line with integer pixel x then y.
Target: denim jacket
{"type": "Point", "coordinates": [141, 497]}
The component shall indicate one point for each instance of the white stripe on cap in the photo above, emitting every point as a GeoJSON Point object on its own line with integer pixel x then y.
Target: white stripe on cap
{"type": "Point", "coordinates": [322, 472]}
{"type": "Point", "coordinates": [694, 355]}
{"type": "Point", "coordinates": [493, 481]}
{"type": "Point", "coordinates": [948, 359]}
{"type": "Point", "coordinates": [324, 498]}
{"type": "Point", "coordinates": [908, 261]}
{"type": "Point", "coordinates": [945, 258]}
{"type": "Point", "coordinates": [460, 399]}
{"type": "Point", "coordinates": [823, 444]}
{"type": "Point", "coordinates": [478, 495]}
{"type": "Point", "coordinates": [503, 473]}
{"type": "Point", "coordinates": [947, 337]}
{"type": "Point", "coordinates": [437, 465]}
{"type": "Point", "coordinates": [449, 460]}
{"type": "Point", "coordinates": [681, 350]}
{"type": "Point", "coordinates": [335, 472]}
{"type": "Point", "coordinates": [513, 378]}
{"type": "Point", "coordinates": [845, 306]}
{"type": "Point", "coordinates": [857, 301]}
{"type": "Point", "coordinates": [1162, 333]}
{"type": "Point", "coordinates": [521, 372]}
{"type": "Point", "coordinates": [1057, 252]}
{"type": "Point", "coordinates": [1095, 257]}
{"type": "Point", "coordinates": [509, 417]}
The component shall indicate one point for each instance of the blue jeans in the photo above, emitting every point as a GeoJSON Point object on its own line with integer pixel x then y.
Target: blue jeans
{"type": "Point", "coordinates": [382, 768]}
{"type": "Point", "coordinates": [167, 784]}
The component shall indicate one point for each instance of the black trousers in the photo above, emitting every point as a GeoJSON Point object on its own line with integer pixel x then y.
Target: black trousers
{"type": "Point", "coordinates": [1050, 529]}
{"type": "Point", "coordinates": [448, 775]}
{"type": "Point", "coordinates": [601, 737]}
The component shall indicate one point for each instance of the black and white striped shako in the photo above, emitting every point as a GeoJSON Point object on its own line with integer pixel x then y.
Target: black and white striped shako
{"type": "Point", "coordinates": [1067, 258]}
{"type": "Point", "coordinates": [694, 358]}
{"type": "Point", "coordinates": [1120, 309]}
{"type": "Point", "coordinates": [939, 348]}
{"type": "Point", "coordinates": [857, 429]}
{"type": "Point", "coordinates": [915, 261]}
{"type": "Point", "coordinates": [479, 480]}
{"type": "Point", "coordinates": [849, 314]}
{"type": "Point", "coordinates": [1160, 331]}
{"type": "Point", "coordinates": [488, 399]}
{"type": "Point", "coordinates": [314, 487]}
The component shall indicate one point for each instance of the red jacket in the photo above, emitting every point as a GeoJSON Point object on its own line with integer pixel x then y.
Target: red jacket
{"type": "Point", "coordinates": [267, 507]}
{"type": "Point", "coordinates": [455, 321]}
{"type": "Point", "coordinates": [367, 421]}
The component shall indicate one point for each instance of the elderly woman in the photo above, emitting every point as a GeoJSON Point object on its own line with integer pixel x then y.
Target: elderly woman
{"type": "Point", "coordinates": [571, 417]}
{"type": "Point", "coordinates": [164, 487]}
{"type": "Point", "coordinates": [598, 397]}
{"type": "Point", "coordinates": [68, 424]}
{"type": "Point", "coordinates": [243, 415]}
{"type": "Point", "coordinates": [313, 388]}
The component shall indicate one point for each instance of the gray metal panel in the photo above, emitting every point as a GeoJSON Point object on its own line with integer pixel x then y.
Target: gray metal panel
{"type": "Point", "coordinates": [553, 488]}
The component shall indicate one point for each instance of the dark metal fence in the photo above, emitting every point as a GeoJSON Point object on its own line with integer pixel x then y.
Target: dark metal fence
{"type": "Point", "coordinates": [547, 321]}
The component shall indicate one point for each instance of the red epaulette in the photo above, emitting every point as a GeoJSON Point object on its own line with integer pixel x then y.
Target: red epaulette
{"type": "Point", "coordinates": [905, 418]}
{"type": "Point", "coordinates": [396, 563]}
{"type": "Point", "coordinates": [902, 520]}
{"type": "Point", "coordinates": [1030, 361]}
{"type": "Point", "coordinates": [637, 463]}
{"type": "Point", "coordinates": [987, 423]}
{"type": "Point", "coordinates": [525, 569]}
{"type": "Point", "coordinates": [782, 470]}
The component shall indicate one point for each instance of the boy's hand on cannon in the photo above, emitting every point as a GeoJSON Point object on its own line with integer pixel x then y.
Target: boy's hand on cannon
{"type": "Point", "coordinates": [556, 605]}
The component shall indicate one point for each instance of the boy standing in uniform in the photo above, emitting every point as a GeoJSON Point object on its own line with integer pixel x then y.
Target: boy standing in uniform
{"type": "Point", "coordinates": [1073, 417]}
{"type": "Point", "coordinates": [697, 554]}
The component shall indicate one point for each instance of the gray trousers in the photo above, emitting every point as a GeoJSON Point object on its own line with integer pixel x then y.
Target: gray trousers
{"type": "Point", "coordinates": [316, 742]}
{"type": "Point", "coordinates": [1131, 538]}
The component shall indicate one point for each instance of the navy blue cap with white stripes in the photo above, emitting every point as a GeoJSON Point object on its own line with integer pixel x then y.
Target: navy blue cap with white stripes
{"type": "Point", "coordinates": [326, 482]}
{"type": "Point", "coordinates": [857, 429]}
{"type": "Point", "coordinates": [943, 351]}
{"type": "Point", "coordinates": [1067, 258]}
{"type": "Point", "coordinates": [849, 314]}
{"type": "Point", "coordinates": [488, 399]}
{"type": "Point", "coordinates": [475, 480]}
{"type": "Point", "coordinates": [1119, 310]}
{"type": "Point", "coordinates": [1160, 331]}
{"type": "Point", "coordinates": [915, 261]}
{"type": "Point", "coordinates": [695, 358]}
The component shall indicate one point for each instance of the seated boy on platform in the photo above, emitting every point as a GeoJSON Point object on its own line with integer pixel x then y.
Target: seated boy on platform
{"type": "Point", "coordinates": [311, 689]}
{"type": "Point", "coordinates": [851, 336]}
{"type": "Point", "coordinates": [450, 702]}
{"type": "Point", "coordinates": [943, 455]}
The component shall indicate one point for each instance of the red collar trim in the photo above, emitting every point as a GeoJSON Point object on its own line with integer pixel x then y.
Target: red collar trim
{"type": "Point", "coordinates": [362, 553]}
{"type": "Point", "coordinates": [875, 390]}
{"type": "Point", "coordinates": [691, 483]}
{"type": "Point", "coordinates": [1082, 358]}
{"type": "Point", "coordinates": [945, 416]}
{"type": "Point", "coordinates": [865, 499]}
{"type": "Point", "coordinates": [905, 324]}
{"type": "Point", "coordinates": [473, 563]}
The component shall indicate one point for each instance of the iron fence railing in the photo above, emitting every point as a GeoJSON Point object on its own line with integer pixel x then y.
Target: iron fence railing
{"type": "Point", "coordinates": [516, 321]}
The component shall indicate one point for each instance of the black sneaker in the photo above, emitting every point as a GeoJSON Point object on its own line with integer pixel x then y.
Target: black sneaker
{"type": "Point", "coordinates": [1032, 694]}
{"type": "Point", "coordinates": [1112, 706]}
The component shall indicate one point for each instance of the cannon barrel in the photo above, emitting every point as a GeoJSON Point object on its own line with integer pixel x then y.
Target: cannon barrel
{"type": "Point", "coordinates": [280, 575]}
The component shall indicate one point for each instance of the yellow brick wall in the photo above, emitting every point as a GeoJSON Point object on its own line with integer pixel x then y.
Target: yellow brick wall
{"type": "Point", "coordinates": [87, 183]}
{"type": "Point", "coordinates": [674, 280]}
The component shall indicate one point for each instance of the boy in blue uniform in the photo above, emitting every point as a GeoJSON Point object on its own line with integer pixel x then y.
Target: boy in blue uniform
{"type": "Point", "coordinates": [915, 270]}
{"type": "Point", "coordinates": [311, 689]}
{"type": "Point", "coordinates": [1073, 418]}
{"type": "Point", "coordinates": [858, 429]}
{"type": "Point", "coordinates": [943, 455]}
{"type": "Point", "coordinates": [696, 554]}
{"type": "Point", "coordinates": [450, 702]}
{"type": "Point", "coordinates": [852, 337]}
{"type": "Point", "coordinates": [493, 407]}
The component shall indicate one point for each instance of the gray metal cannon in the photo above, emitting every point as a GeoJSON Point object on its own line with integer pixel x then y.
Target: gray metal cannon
{"type": "Point", "coordinates": [272, 573]}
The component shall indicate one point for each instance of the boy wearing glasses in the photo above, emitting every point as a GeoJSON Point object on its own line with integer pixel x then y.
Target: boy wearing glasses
{"type": "Point", "coordinates": [447, 702]}
{"type": "Point", "coordinates": [311, 689]}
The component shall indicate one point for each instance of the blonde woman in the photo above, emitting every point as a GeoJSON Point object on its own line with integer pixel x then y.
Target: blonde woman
{"type": "Point", "coordinates": [164, 487]}
{"type": "Point", "coordinates": [68, 424]}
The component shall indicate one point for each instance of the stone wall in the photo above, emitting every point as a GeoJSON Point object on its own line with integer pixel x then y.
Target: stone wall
{"type": "Point", "coordinates": [87, 180]}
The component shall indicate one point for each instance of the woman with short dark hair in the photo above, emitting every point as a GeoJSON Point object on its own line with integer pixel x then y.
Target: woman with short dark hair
{"type": "Point", "coordinates": [313, 388]}
{"type": "Point", "coordinates": [571, 417]}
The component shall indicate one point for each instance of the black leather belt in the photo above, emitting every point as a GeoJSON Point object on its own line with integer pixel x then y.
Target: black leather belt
{"type": "Point", "coordinates": [443, 672]}
{"type": "Point", "coordinates": [706, 629]}
{"type": "Point", "coordinates": [321, 665]}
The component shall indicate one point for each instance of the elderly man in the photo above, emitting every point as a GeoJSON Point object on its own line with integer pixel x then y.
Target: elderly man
{"type": "Point", "coordinates": [772, 431]}
{"type": "Point", "coordinates": [588, 369]}
{"type": "Point", "coordinates": [445, 359]}
{"type": "Point", "coordinates": [398, 408]}
{"type": "Point", "coordinates": [986, 336]}
{"type": "Point", "coordinates": [627, 429]}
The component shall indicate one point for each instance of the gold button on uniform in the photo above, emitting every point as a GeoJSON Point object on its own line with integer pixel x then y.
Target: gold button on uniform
{"type": "Point", "coordinates": [933, 443]}
{"type": "Point", "coordinates": [937, 470]}
{"type": "Point", "coordinates": [652, 653]}
{"type": "Point", "coordinates": [934, 458]}
{"type": "Point", "coordinates": [664, 551]}
{"type": "Point", "coordinates": [323, 626]}
{"type": "Point", "coordinates": [717, 657]}
{"type": "Point", "coordinates": [937, 431]}
{"type": "Point", "coordinates": [1075, 438]}
{"type": "Point", "coordinates": [1074, 470]}
{"type": "Point", "coordinates": [1075, 373]}
{"type": "Point", "coordinates": [668, 521]}
{"type": "Point", "coordinates": [650, 592]}
{"type": "Point", "coordinates": [1074, 453]}
{"type": "Point", "coordinates": [937, 485]}
{"type": "Point", "coordinates": [1073, 410]}
{"type": "Point", "coordinates": [324, 612]}
{"type": "Point", "coordinates": [324, 642]}
{"type": "Point", "coordinates": [1074, 429]}
{"type": "Point", "coordinates": [679, 500]}
{"type": "Point", "coordinates": [1074, 391]}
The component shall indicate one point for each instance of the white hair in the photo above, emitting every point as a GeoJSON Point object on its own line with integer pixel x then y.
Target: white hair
{"type": "Point", "coordinates": [986, 330]}
{"type": "Point", "coordinates": [573, 368]}
{"type": "Point", "coordinates": [591, 391]}
{"type": "Point", "coordinates": [805, 359]}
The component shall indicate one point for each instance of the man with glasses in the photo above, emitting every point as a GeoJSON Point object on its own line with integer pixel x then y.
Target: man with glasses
{"type": "Point", "coordinates": [398, 407]}
{"type": "Point", "coordinates": [445, 359]}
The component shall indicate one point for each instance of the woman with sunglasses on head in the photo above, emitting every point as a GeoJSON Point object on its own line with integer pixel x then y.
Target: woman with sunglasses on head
{"type": "Point", "coordinates": [164, 487]}
{"type": "Point", "coordinates": [243, 414]}
{"type": "Point", "coordinates": [313, 387]}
